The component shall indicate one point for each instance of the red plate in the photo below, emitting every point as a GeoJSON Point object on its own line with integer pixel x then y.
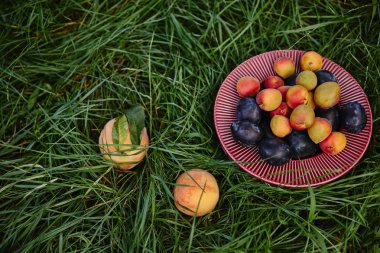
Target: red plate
{"type": "Point", "coordinates": [313, 171]}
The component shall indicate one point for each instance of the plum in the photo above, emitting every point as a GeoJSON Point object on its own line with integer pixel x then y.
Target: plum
{"type": "Point", "coordinates": [248, 109]}
{"type": "Point", "coordinates": [265, 126]}
{"type": "Point", "coordinates": [331, 114]}
{"type": "Point", "coordinates": [353, 117]}
{"type": "Point", "coordinates": [301, 146]}
{"type": "Point", "coordinates": [246, 132]}
{"type": "Point", "coordinates": [290, 81]}
{"type": "Point", "coordinates": [324, 76]}
{"type": "Point", "coordinates": [274, 151]}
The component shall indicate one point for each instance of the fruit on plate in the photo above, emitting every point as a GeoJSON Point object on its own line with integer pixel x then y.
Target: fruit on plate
{"type": "Point", "coordinates": [334, 143]}
{"type": "Point", "coordinates": [246, 132]}
{"type": "Point", "coordinates": [280, 126]}
{"type": "Point", "coordinates": [273, 82]}
{"type": "Point", "coordinates": [269, 99]}
{"type": "Point", "coordinates": [283, 90]}
{"type": "Point", "coordinates": [311, 61]}
{"type": "Point", "coordinates": [248, 86]}
{"type": "Point", "coordinates": [353, 117]}
{"type": "Point", "coordinates": [331, 114]}
{"type": "Point", "coordinates": [320, 130]}
{"type": "Point", "coordinates": [283, 110]}
{"type": "Point", "coordinates": [291, 80]}
{"type": "Point", "coordinates": [302, 117]}
{"type": "Point", "coordinates": [274, 151]}
{"type": "Point", "coordinates": [301, 146]}
{"type": "Point", "coordinates": [310, 100]}
{"type": "Point", "coordinates": [324, 76]}
{"type": "Point", "coordinates": [124, 141]}
{"type": "Point", "coordinates": [307, 79]}
{"type": "Point", "coordinates": [296, 95]}
{"type": "Point", "coordinates": [196, 192]}
{"type": "Point", "coordinates": [327, 95]}
{"type": "Point", "coordinates": [248, 109]}
{"type": "Point", "coordinates": [284, 67]}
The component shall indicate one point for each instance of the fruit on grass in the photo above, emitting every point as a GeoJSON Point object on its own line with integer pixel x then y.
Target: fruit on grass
{"type": "Point", "coordinates": [324, 76]}
{"type": "Point", "coordinates": [327, 95]}
{"type": "Point", "coordinates": [311, 61]}
{"type": "Point", "coordinates": [331, 114]}
{"type": "Point", "coordinates": [301, 146]}
{"type": "Point", "coordinates": [274, 151]}
{"type": "Point", "coordinates": [283, 90]}
{"type": "Point", "coordinates": [196, 192]}
{"type": "Point", "coordinates": [280, 126]}
{"type": "Point", "coordinates": [284, 67]}
{"type": "Point", "coordinates": [248, 86]}
{"type": "Point", "coordinates": [273, 82]}
{"type": "Point", "coordinates": [320, 130]}
{"type": "Point", "coordinates": [124, 140]}
{"type": "Point", "coordinates": [307, 79]}
{"type": "Point", "coordinates": [283, 110]}
{"type": "Point", "coordinates": [248, 109]}
{"type": "Point", "coordinates": [310, 100]}
{"type": "Point", "coordinates": [302, 117]}
{"type": "Point", "coordinates": [334, 143]}
{"type": "Point", "coordinates": [296, 95]}
{"type": "Point", "coordinates": [291, 80]}
{"type": "Point", "coordinates": [269, 99]}
{"type": "Point", "coordinates": [353, 117]}
{"type": "Point", "coordinates": [246, 132]}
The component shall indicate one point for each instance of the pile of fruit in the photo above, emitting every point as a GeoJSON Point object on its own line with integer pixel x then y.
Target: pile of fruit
{"type": "Point", "coordinates": [295, 115]}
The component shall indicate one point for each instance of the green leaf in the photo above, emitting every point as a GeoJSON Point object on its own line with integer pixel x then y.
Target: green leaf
{"type": "Point", "coordinates": [136, 120]}
{"type": "Point", "coordinates": [120, 131]}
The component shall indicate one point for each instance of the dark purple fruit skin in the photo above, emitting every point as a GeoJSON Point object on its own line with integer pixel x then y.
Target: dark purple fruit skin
{"type": "Point", "coordinates": [265, 125]}
{"type": "Point", "coordinates": [301, 146]}
{"type": "Point", "coordinates": [353, 117]}
{"type": "Point", "coordinates": [325, 76]}
{"type": "Point", "coordinates": [274, 151]}
{"type": "Point", "coordinates": [246, 133]}
{"type": "Point", "coordinates": [290, 81]}
{"type": "Point", "coordinates": [248, 109]}
{"type": "Point", "coordinates": [331, 114]}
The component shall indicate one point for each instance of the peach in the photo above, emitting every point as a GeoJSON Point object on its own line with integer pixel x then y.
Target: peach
{"type": "Point", "coordinates": [280, 126]}
{"type": "Point", "coordinates": [196, 192]}
{"type": "Point", "coordinates": [307, 79]}
{"type": "Point", "coordinates": [284, 67]}
{"type": "Point", "coordinates": [248, 86]}
{"type": "Point", "coordinates": [311, 61]}
{"type": "Point", "coordinates": [302, 117]}
{"type": "Point", "coordinates": [327, 95]}
{"type": "Point", "coordinates": [296, 95]}
{"type": "Point", "coordinates": [283, 90]}
{"type": "Point", "coordinates": [283, 110]}
{"type": "Point", "coordinates": [334, 143]}
{"type": "Point", "coordinates": [273, 82]}
{"type": "Point", "coordinates": [320, 130]}
{"type": "Point", "coordinates": [269, 99]}
{"type": "Point", "coordinates": [125, 156]}
{"type": "Point", "coordinates": [310, 100]}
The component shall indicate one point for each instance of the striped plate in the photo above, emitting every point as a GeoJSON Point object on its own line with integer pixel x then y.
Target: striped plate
{"type": "Point", "coordinates": [313, 171]}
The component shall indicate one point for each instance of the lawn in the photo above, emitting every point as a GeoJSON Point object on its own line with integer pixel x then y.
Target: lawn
{"type": "Point", "coordinates": [67, 67]}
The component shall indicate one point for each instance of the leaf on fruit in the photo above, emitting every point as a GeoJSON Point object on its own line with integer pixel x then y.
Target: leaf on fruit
{"type": "Point", "coordinates": [136, 120]}
{"type": "Point", "coordinates": [120, 131]}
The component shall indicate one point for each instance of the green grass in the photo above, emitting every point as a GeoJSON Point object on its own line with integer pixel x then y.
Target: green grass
{"type": "Point", "coordinates": [67, 67]}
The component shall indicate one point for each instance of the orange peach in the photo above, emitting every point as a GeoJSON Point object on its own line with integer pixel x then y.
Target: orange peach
{"type": "Point", "coordinates": [196, 192]}
{"type": "Point", "coordinates": [283, 90]}
{"type": "Point", "coordinates": [273, 82]}
{"type": "Point", "coordinates": [310, 100]}
{"type": "Point", "coordinates": [302, 117]}
{"type": "Point", "coordinates": [280, 126]}
{"type": "Point", "coordinates": [327, 95]}
{"type": "Point", "coordinates": [248, 86]}
{"type": "Point", "coordinates": [334, 143]}
{"type": "Point", "coordinates": [307, 79]}
{"type": "Point", "coordinates": [269, 99]}
{"type": "Point", "coordinates": [296, 95]}
{"type": "Point", "coordinates": [283, 110]}
{"type": "Point", "coordinates": [320, 130]}
{"type": "Point", "coordinates": [311, 61]}
{"type": "Point", "coordinates": [284, 67]}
